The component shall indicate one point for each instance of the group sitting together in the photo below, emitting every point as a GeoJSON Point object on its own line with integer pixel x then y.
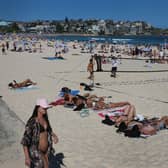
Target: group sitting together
{"type": "Point", "coordinates": [126, 122]}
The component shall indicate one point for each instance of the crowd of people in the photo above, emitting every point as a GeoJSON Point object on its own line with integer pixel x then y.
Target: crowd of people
{"type": "Point", "coordinates": [38, 137]}
{"type": "Point", "coordinates": [126, 121]}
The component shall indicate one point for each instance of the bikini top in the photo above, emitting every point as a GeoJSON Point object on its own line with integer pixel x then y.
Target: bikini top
{"type": "Point", "coordinates": [42, 129]}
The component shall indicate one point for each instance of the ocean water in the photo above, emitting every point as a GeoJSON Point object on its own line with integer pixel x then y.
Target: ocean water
{"type": "Point", "coordinates": [137, 40]}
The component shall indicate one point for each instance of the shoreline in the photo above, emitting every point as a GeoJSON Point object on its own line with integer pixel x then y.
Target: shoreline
{"type": "Point", "coordinates": [85, 35]}
{"type": "Point", "coordinates": [92, 35]}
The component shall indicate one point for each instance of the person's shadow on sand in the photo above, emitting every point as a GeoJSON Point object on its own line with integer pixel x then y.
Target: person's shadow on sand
{"type": "Point", "coordinates": [56, 161]}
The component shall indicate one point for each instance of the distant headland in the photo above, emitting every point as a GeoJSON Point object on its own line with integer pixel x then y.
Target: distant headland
{"type": "Point", "coordinates": [83, 27]}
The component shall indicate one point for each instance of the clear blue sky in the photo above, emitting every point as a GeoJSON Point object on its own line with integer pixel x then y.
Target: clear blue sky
{"type": "Point", "coordinates": [151, 11]}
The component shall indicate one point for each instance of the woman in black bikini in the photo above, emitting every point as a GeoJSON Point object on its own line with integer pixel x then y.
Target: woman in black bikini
{"type": "Point", "coordinates": [38, 137]}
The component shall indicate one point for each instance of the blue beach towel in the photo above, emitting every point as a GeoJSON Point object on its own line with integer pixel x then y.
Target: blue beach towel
{"type": "Point", "coordinates": [22, 89]}
{"type": "Point", "coordinates": [53, 58]}
{"type": "Point", "coordinates": [72, 92]}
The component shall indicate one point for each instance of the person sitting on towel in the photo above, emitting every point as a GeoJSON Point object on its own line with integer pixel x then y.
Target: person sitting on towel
{"type": "Point", "coordinates": [25, 83]}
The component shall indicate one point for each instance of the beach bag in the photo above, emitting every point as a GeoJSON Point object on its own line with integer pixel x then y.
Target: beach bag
{"type": "Point", "coordinates": [84, 112]}
{"type": "Point", "coordinates": [108, 121]}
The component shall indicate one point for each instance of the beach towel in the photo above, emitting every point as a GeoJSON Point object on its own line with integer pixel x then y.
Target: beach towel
{"type": "Point", "coordinates": [69, 105]}
{"type": "Point", "coordinates": [31, 87]}
{"type": "Point", "coordinates": [53, 58]}
{"type": "Point", "coordinates": [111, 112]}
{"type": "Point", "coordinates": [57, 102]}
{"type": "Point", "coordinates": [72, 92]}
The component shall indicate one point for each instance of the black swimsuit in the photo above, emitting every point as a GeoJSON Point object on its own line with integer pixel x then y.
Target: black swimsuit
{"type": "Point", "coordinates": [42, 129]}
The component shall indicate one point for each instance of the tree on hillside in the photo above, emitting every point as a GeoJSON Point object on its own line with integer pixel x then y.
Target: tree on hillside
{"type": "Point", "coordinates": [59, 28]}
{"type": "Point", "coordinates": [14, 27]}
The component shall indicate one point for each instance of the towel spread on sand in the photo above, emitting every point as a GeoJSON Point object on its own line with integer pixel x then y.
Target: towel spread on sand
{"type": "Point", "coordinates": [59, 101]}
{"type": "Point", "coordinates": [31, 87]}
{"type": "Point", "coordinates": [53, 58]}
{"type": "Point", "coordinates": [111, 112]}
{"type": "Point", "coordinates": [72, 92]}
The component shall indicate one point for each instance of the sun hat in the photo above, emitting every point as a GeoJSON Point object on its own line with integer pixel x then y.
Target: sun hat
{"type": "Point", "coordinates": [43, 103]}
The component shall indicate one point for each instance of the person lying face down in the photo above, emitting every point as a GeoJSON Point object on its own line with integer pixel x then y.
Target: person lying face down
{"type": "Point", "coordinates": [25, 83]}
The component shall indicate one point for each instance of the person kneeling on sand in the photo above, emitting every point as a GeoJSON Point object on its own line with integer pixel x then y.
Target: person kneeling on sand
{"type": "Point", "coordinates": [25, 83]}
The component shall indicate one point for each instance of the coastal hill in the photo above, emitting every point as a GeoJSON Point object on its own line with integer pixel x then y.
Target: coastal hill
{"type": "Point", "coordinates": [80, 26]}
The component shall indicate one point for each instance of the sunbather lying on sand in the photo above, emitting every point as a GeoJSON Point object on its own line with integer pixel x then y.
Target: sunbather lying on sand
{"type": "Point", "coordinates": [97, 103]}
{"type": "Point", "coordinates": [78, 99]}
{"type": "Point", "coordinates": [146, 127]}
{"type": "Point", "coordinates": [25, 83]}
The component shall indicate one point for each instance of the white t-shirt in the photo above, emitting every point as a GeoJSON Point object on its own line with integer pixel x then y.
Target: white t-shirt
{"type": "Point", "coordinates": [161, 53]}
{"type": "Point", "coordinates": [114, 63]}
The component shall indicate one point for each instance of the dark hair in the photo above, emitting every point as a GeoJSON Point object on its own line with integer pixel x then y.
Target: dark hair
{"type": "Point", "coordinates": [122, 127]}
{"type": "Point", "coordinates": [91, 60]}
{"type": "Point", "coordinates": [134, 132]}
{"type": "Point", "coordinates": [66, 97]}
{"type": "Point", "coordinates": [35, 113]}
{"type": "Point", "coordinates": [65, 90]}
{"type": "Point", "coordinates": [10, 84]}
{"type": "Point", "coordinates": [108, 121]}
{"type": "Point", "coordinates": [83, 84]}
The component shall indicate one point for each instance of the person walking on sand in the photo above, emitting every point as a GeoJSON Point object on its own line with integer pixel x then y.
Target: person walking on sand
{"type": "Point", "coordinates": [7, 45]}
{"type": "Point", "coordinates": [38, 137]}
{"type": "Point", "coordinates": [114, 67]}
{"type": "Point", "coordinates": [98, 62]}
{"type": "Point", "coordinates": [90, 69]}
{"type": "Point", "coordinates": [3, 49]}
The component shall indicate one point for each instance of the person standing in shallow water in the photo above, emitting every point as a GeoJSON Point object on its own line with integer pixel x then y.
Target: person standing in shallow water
{"type": "Point", "coordinates": [38, 137]}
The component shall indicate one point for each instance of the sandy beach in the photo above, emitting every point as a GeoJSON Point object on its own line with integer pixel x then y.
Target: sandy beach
{"type": "Point", "coordinates": [84, 142]}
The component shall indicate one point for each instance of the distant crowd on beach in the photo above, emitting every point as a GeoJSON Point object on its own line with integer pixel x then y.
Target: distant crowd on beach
{"type": "Point", "coordinates": [32, 43]}
{"type": "Point", "coordinates": [101, 53]}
